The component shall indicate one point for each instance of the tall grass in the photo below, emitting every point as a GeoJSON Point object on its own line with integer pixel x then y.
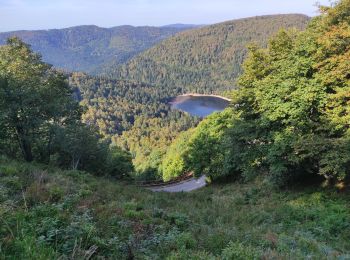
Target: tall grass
{"type": "Point", "coordinates": [47, 213]}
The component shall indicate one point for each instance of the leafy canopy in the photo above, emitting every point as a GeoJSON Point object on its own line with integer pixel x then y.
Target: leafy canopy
{"type": "Point", "coordinates": [291, 115]}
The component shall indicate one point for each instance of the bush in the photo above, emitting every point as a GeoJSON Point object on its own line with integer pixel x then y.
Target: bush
{"type": "Point", "coordinates": [190, 254]}
{"type": "Point", "coordinates": [239, 251]}
{"type": "Point", "coordinates": [185, 241]}
{"type": "Point", "coordinates": [118, 163]}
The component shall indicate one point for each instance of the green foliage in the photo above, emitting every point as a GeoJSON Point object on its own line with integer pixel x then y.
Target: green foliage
{"type": "Point", "coordinates": [290, 113]}
{"type": "Point", "coordinates": [41, 120]}
{"type": "Point", "coordinates": [149, 139]}
{"type": "Point", "coordinates": [208, 59]}
{"type": "Point", "coordinates": [91, 48]}
{"type": "Point", "coordinates": [79, 146]}
{"type": "Point", "coordinates": [119, 163]}
{"type": "Point", "coordinates": [135, 116]}
{"type": "Point", "coordinates": [205, 154]}
{"type": "Point", "coordinates": [240, 252]}
{"type": "Point", "coordinates": [292, 103]}
{"type": "Point", "coordinates": [174, 164]}
{"type": "Point", "coordinates": [188, 254]}
{"type": "Point", "coordinates": [199, 150]}
{"type": "Point", "coordinates": [33, 98]}
{"type": "Point", "coordinates": [49, 213]}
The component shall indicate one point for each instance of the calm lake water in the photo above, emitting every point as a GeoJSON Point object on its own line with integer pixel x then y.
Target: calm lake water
{"type": "Point", "coordinates": [201, 106]}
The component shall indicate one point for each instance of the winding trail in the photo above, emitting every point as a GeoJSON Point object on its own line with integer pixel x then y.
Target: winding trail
{"type": "Point", "coordinates": [184, 186]}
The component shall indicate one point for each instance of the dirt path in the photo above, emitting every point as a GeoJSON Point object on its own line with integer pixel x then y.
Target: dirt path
{"type": "Point", "coordinates": [185, 186]}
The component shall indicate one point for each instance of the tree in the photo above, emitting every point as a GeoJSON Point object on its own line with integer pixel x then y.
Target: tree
{"type": "Point", "coordinates": [205, 153]}
{"type": "Point", "coordinates": [79, 146]}
{"type": "Point", "coordinates": [33, 97]}
{"type": "Point", "coordinates": [293, 101]}
{"type": "Point", "coordinates": [118, 163]}
{"type": "Point", "coordinates": [174, 162]}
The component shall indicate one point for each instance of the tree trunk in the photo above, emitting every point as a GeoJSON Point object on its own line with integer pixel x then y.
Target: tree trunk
{"type": "Point", "coordinates": [49, 146]}
{"type": "Point", "coordinates": [75, 162]}
{"type": "Point", "coordinates": [25, 145]}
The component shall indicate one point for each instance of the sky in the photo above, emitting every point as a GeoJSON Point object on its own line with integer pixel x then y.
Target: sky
{"type": "Point", "coordinates": [52, 14]}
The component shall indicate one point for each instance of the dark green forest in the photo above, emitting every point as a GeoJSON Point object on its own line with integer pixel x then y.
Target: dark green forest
{"type": "Point", "coordinates": [205, 60]}
{"type": "Point", "coordinates": [91, 48]}
{"type": "Point", "coordinates": [73, 147]}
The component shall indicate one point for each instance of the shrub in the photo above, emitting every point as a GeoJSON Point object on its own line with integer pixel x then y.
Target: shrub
{"type": "Point", "coordinates": [118, 163]}
{"type": "Point", "coordinates": [184, 254]}
{"type": "Point", "coordinates": [8, 169]}
{"type": "Point", "coordinates": [185, 241]}
{"type": "Point", "coordinates": [240, 251]}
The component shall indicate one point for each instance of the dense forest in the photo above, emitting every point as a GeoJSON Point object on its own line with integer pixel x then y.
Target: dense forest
{"type": "Point", "coordinates": [91, 48]}
{"type": "Point", "coordinates": [121, 109]}
{"type": "Point", "coordinates": [205, 60]}
{"type": "Point", "coordinates": [135, 116]}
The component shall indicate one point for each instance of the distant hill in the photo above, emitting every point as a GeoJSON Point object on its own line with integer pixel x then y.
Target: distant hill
{"type": "Point", "coordinates": [182, 26]}
{"type": "Point", "coordinates": [86, 48]}
{"type": "Point", "coordinates": [205, 60]}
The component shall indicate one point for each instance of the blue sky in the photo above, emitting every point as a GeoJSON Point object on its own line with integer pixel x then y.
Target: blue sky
{"type": "Point", "coordinates": [47, 14]}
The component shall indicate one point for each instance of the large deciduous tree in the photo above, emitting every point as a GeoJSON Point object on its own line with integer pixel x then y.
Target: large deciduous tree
{"type": "Point", "coordinates": [33, 97]}
{"type": "Point", "coordinates": [294, 97]}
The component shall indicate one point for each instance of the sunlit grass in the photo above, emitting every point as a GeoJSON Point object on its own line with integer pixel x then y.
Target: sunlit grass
{"type": "Point", "coordinates": [48, 213]}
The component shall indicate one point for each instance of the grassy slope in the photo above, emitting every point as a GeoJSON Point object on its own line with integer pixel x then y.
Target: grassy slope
{"type": "Point", "coordinates": [46, 213]}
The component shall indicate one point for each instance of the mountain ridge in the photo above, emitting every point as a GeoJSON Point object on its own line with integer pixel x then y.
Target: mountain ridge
{"type": "Point", "coordinates": [87, 47]}
{"type": "Point", "coordinates": [207, 59]}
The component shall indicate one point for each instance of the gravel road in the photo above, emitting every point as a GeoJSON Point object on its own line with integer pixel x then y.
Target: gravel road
{"type": "Point", "coordinates": [185, 186]}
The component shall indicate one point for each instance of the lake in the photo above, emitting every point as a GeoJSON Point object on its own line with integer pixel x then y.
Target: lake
{"type": "Point", "coordinates": [201, 106]}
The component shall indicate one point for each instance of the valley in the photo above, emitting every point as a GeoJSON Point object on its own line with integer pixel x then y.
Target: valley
{"type": "Point", "coordinates": [120, 113]}
{"type": "Point", "coordinates": [242, 125]}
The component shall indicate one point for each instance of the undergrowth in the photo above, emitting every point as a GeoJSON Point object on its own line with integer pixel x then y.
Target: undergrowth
{"type": "Point", "coordinates": [47, 213]}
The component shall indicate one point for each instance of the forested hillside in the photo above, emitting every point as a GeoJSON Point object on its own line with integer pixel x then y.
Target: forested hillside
{"type": "Point", "coordinates": [134, 115]}
{"type": "Point", "coordinates": [205, 60]}
{"type": "Point", "coordinates": [90, 48]}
